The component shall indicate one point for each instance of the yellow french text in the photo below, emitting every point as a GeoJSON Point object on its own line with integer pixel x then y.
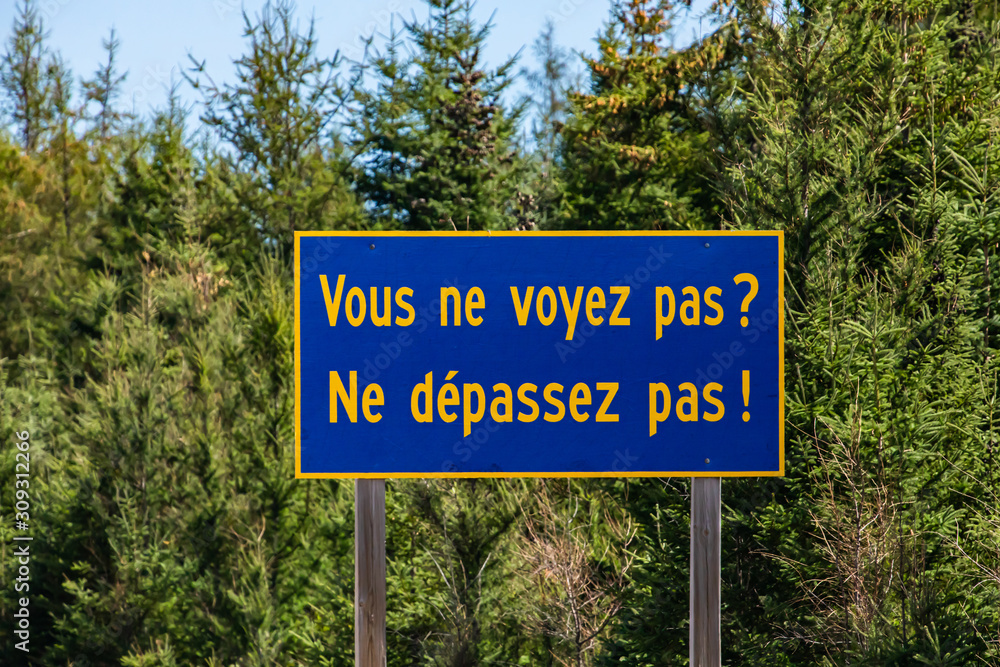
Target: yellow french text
{"type": "Point", "coordinates": [348, 397]}
{"type": "Point", "coordinates": [372, 396]}
{"type": "Point", "coordinates": [616, 320]}
{"type": "Point", "coordinates": [602, 413]}
{"type": "Point", "coordinates": [550, 390]}
{"type": "Point", "coordinates": [332, 304]}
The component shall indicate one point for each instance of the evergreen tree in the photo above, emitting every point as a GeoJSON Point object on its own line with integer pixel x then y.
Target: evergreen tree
{"type": "Point", "coordinates": [24, 76]}
{"type": "Point", "coordinates": [887, 324]}
{"type": "Point", "coordinates": [550, 85]}
{"type": "Point", "coordinates": [286, 168]}
{"type": "Point", "coordinates": [435, 139]}
{"type": "Point", "coordinates": [634, 152]}
{"type": "Point", "coordinates": [147, 343]}
{"type": "Point", "coordinates": [104, 89]}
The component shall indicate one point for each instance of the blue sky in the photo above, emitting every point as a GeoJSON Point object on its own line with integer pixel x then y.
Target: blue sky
{"type": "Point", "coordinates": [157, 35]}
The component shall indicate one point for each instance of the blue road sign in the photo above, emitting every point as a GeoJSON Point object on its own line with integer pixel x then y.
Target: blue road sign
{"type": "Point", "coordinates": [538, 354]}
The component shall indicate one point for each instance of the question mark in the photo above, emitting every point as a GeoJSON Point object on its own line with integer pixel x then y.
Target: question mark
{"type": "Point", "coordinates": [746, 278]}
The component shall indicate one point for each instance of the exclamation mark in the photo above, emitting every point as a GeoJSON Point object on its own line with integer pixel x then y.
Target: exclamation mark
{"type": "Point", "coordinates": [746, 394]}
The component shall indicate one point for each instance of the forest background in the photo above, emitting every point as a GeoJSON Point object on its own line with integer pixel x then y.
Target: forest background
{"type": "Point", "coordinates": [146, 338]}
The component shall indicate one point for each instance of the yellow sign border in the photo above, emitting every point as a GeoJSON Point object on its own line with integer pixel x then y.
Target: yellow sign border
{"type": "Point", "coordinates": [611, 474]}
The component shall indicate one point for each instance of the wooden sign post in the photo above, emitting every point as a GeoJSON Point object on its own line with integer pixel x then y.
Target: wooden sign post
{"type": "Point", "coordinates": [706, 572]}
{"type": "Point", "coordinates": [369, 573]}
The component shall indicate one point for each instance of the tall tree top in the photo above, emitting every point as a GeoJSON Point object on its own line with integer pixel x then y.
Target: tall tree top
{"type": "Point", "coordinates": [24, 77]}
{"type": "Point", "coordinates": [437, 141]}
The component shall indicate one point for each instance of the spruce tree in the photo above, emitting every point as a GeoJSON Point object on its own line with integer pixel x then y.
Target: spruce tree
{"type": "Point", "coordinates": [634, 154]}
{"type": "Point", "coordinates": [436, 142]}
{"type": "Point", "coordinates": [24, 76]}
{"type": "Point", "coordinates": [104, 89]}
{"type": "Point", "coordinates": [551, 85]}
{"type": "Point", "coordinates": [285, 166]}
{"type": "Point", "coordinates": [862, 124]}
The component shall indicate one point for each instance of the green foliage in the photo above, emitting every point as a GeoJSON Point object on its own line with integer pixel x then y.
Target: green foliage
{"type": "Point", "coordinates": [24, 75]}
{"type": "Point", "coordinates": [436, 138]}
{"type": "Point", "coordinates": [634, 156]}
{"type": "Point", "coordinates": [286, 169]}
{"type": "Point", "coordinates": [890, 352]}
{"type": "Point", "coordinates": [147, 340]}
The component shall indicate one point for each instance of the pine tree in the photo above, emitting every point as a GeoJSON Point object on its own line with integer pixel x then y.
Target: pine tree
{"type": "Point", "coordinates": [64, 117]}
{"type": "Point", "coordinates": [885, 267]}
{"type": "Point", "coordinates": [286, 168]}
{"type": "Point", "coordinates": [435, 139]}
{"type": "Point", "coordinates": [104, 89]}
{"type": "Point", "coordinates": [634, 152]}
{"type": "Point", "coordinates": [147, 344]}
{"type": "Point", "coordinates": [550, 85]}
{"type": "Point", "coordinates": [23, 76]}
